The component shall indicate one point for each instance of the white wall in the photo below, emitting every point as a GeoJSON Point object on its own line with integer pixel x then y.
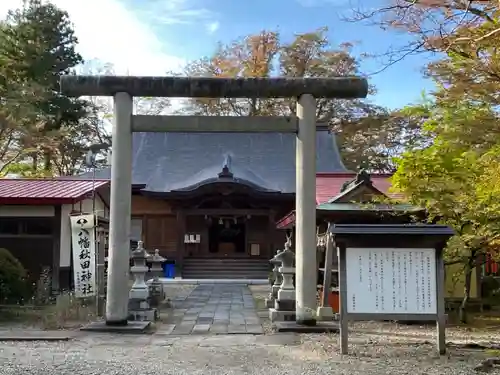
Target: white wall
{"type": "Point", "coordinates": [65, 246]}
{"type": "Point", "coordinates": [100, 208]}
{"type": "Point", "coordinates": [65, 249]}
{"type": "Point", "coordinates": [26, 211]}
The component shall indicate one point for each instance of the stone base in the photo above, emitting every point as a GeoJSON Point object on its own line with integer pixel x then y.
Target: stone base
{"type": "Point", "coordinates": [149, 315]}
{"type": "Point", "coordinates": [269, 303]}
{"type": "Point", "coordinates": [320, 327]}
{"type": "Point", "coordinates": [325, 313]}
{"type": "Point", "coordinates": [281, 316]}
{"type": "Point", "coordinates": [286, 295]}
{"type": "Point", "coordinates": [285, 304]}
{"type": "Point", "coordinates": [130, 328]}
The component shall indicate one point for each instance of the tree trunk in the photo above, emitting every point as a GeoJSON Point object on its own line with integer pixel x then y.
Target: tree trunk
{"type": "Point", "coordinates": [47, 161]}
{"type": "Point", "coordinates": [469, 266]}
{"type": "Point", "coordinates": [34, 165]}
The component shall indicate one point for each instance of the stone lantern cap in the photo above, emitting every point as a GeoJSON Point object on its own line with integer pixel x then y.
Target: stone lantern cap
{"type": "Point", "coordinates": [157, 258]}
{"type": "Point", "coordinates": [140, 252]}
{"type": "Point", "coordinates": [285, 257]}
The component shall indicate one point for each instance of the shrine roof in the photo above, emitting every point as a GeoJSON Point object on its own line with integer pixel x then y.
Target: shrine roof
{"type": "Point", "coordinates": [167, 162]}
{"type": "Point", "coordinates": [405, 229]}
{"type": "Point", "coordinates": [46, 190]}
{"type": "Point", "coordinates": [375, 207]}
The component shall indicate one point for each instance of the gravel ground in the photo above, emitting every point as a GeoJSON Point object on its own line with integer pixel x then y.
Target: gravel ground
{"type": "Point", "coordinates": [375, 349]}
{"type": "Point", "coordinates": [234, 354]}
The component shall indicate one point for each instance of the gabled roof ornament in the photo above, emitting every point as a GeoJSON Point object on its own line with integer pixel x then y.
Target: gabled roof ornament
{"type": "Point", "coordinates": [363, 176]}
{"type": "Point", "coordinates": [226, 168]}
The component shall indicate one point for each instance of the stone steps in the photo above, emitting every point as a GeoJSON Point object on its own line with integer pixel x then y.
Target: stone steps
{"type": "Point", "coordinates": [207, 268]}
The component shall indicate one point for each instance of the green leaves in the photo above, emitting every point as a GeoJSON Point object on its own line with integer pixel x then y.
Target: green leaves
{"type": "Point", "coordinates": [456, 177]}
{"type": "Point", "coordinates": [49, 131]}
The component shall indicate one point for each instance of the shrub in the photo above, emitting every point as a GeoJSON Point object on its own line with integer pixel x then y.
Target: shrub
{"type": "Point", "coordinates": [14, 286]}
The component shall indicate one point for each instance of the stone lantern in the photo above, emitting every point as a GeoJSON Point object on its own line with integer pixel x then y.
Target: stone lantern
{"type": "Point", "coordinates": [156, 292]}
{"type": "Point", "coordinates": [284, 305]}
{"type": "Point", "coordinates": [139, 307]}
{"type": "Point", "coordinates": [273, 294]}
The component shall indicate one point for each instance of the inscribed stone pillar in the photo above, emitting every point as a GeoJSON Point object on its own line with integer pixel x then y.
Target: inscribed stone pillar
{"type": "Point", "coordinates": [305, 207]}
{"type": "Point", "coordinates": [120, 212]}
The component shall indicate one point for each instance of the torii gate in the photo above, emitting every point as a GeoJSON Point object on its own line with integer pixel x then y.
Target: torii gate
{"type": "Point", "coordinates": [306, 90]}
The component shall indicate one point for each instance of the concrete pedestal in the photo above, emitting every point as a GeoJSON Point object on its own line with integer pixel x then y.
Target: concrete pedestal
{"type": "Point", "coordinates": [276, 315]}
{"type": "Point", "coordinates": [131, 327]}
{"type": "Point", "coordinates": [284, 308]}
{"type": "Point", "coordinates": [272, 296]}
{"type": "Point", "coordinates": [325, 313]}
{"type": "Point", "coordinates": [320, 327]}
{"type": "Point", "coordinates": [144, 315]}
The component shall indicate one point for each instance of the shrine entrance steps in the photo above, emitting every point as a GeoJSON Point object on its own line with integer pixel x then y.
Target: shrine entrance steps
{"type": "Point", "coordinates": [213, 309]}
{"type": "Point", "coordinates": [213, 268]}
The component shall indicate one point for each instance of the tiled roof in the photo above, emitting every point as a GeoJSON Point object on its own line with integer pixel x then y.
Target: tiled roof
{"type": "Point", "coordinates": [167, 162]}
{"type": "Point", "coordinates": [46, 190]}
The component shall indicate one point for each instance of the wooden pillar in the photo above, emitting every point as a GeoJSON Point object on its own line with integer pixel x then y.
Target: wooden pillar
{"type": "Point", "coordinates": [100, 266]}
{"type": "Point", "coordinates": [181, 230]}
{"type": "Point", "coordinates": [271, 234]}
{"type": "Point", "coordinates": [56, 251]}
{"type": "Point", "coordinates": [344, 325]}
{"type": "Point", "coordinates": [440, 295]}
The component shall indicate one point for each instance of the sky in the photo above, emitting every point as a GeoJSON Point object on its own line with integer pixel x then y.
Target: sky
{"type": "Point", "coordinates": [153, 37]}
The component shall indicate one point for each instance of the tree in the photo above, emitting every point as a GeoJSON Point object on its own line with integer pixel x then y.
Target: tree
{"type": "Point", "coordinates": [37, 46]}
{"type": "Point", "coordinates": [432, 25]}
{"type": "Point", "coordinates": [17, 120]}
{"type": "Point", "coordinates": [367, 134]}
{"type": "Point", "coordinates": [456, 180]}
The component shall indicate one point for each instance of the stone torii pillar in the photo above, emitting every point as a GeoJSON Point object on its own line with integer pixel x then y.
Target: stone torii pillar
{"type": "Point", "coordinates": [122, 89]}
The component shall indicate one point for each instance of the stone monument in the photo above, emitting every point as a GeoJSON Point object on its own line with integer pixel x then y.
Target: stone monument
{"type": "Point", "coordinates": [139, 306]}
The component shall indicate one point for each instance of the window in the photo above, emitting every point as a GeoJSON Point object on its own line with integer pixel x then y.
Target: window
{"type": "Point", "coordinates": [9, 225]}
{"type": "Point", "coordinates": [37, 226]}
{"type": "Point", "coordinates": [136, 229]}
{"type": "Point", "coordinates": [17, 226]}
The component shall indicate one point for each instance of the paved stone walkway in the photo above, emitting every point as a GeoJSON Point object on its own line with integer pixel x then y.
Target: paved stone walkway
{"type": "Point", "coordinates": [214, 309]}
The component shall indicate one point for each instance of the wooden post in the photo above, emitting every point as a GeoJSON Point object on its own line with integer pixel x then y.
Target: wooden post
{"type": "Point", "coordinates": [440, 295]}
{"type": "Point", "coordinates": [344, 326]}
{"type": "Point", "coordinates": [101, 290]}
{"type": "Point", "coordinates": [327, 280]}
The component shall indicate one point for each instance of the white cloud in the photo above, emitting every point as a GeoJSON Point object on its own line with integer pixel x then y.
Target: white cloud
{"type": "Point", "coordinates": [172, 12]}
{"type": "Point", "coordinates": [110, 32]}
{"type": "Point", "coordinates": [212, 27]}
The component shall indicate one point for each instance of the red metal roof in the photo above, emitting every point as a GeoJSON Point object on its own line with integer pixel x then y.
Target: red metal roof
{"type": "Point", "coordinates": [46, 190]}
{"type": "Point", "coordinates": [328, 185]}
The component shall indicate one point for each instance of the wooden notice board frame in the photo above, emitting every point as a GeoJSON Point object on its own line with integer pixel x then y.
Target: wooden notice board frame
{"type": "Point", "coordinates": [404, 236]}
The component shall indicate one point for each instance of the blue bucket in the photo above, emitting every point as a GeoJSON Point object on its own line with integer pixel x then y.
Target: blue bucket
{"type": "Point", "coordinates": [169, 271]}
